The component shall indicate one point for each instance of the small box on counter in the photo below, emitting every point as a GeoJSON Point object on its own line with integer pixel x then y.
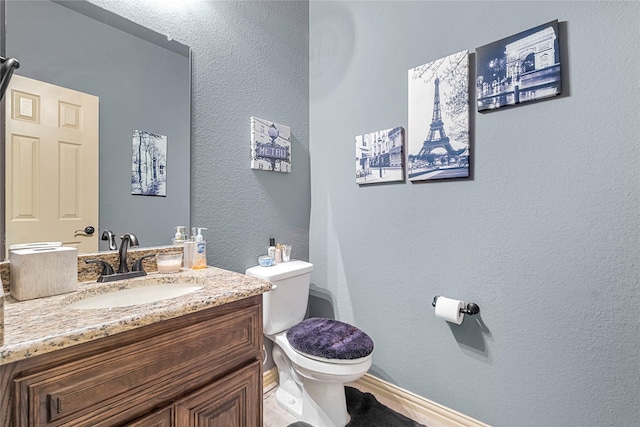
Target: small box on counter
{"type": "Point", "coordinates": [38, 272]}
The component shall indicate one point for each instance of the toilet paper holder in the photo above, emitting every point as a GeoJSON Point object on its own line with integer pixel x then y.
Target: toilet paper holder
{"type": "Point", "coordinates": [472, 307]}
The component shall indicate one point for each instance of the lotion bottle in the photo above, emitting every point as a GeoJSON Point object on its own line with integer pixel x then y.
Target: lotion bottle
{"type": "Point", "coordinates": [200, 252]}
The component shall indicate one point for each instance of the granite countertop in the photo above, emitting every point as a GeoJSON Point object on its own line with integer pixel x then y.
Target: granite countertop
{"type": "Point", "coordinates": [43, 325]}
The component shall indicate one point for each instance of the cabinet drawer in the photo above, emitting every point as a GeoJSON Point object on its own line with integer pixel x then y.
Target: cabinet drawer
{"type": "Point", "coordinates": [122, 384]}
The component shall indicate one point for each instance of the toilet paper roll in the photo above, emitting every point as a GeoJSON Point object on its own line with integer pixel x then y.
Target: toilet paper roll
{"type": "Point", "coordinates": [449, 309]}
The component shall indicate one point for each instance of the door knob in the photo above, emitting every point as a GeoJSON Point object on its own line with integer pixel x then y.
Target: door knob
{"type": "Point", "coordinates": [87, 230]}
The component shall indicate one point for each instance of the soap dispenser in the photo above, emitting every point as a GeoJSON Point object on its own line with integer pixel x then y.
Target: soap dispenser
{"type": "Point", "coordinates": [200, 253]}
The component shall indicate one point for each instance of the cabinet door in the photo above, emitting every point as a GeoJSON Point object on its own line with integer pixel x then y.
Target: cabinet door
{"type": "Point", "coordinates": [233, 401]}
{"type": "Point", "coordinates": [161, 418]}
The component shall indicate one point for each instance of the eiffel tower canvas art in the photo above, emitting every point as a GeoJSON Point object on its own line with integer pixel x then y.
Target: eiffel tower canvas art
{"type": "Point", "coordinates": [439, 119]}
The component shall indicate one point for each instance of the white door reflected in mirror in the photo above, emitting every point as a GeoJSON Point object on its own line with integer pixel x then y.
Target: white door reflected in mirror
{"type": "Point", "coordinates": [51, 191]}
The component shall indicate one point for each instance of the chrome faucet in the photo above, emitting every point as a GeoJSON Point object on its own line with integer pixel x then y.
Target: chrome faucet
{"type": "Point", "coordinates": [127, 239]}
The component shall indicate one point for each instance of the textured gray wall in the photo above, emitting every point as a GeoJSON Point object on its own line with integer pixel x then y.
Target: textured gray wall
{"type": "Point", "coordinates": [141, 86]}
{"type": "Point", "coordinates": [249, 59]}
{"type": "Point", "coordinates": [544, 237]}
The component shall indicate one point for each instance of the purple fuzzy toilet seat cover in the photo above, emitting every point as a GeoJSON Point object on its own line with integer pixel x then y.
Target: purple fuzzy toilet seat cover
{"type": "Point", "coordinates": [330, 339]}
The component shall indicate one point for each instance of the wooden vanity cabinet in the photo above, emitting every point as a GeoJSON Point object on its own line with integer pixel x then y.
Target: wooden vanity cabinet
{"type": "Point", "coordinates": [200, 369]}
{"type": "Point", "coordinates": [161, 418]}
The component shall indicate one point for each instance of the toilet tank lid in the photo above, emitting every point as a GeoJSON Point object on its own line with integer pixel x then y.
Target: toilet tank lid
{"type": "Point", "coordinates": [280, 271]}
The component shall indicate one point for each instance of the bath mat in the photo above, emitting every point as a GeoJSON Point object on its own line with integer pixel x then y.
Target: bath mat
{"type": "Point", "coordinates": [330, 339]}
{"type": "Point", "coordinates": [366, 411]}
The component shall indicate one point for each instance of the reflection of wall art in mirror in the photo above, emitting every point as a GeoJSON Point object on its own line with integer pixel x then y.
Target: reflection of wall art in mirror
{"type": "Point", "coordinates": [523, 67]}
{"type": "Point", "coordinates": [149, 164]}
{"type": "Point", "coordinates": [270, 146]}
{"type": "Point", "coordinates": [380, 156]}
{"type": "Point", "coordinates": [439, 148]}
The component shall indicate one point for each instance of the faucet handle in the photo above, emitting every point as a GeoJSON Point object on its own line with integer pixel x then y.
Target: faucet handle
{"type": "Point", "coordinates": [137, 266]}
{"type": "Point", "coordinates": [107, 270]}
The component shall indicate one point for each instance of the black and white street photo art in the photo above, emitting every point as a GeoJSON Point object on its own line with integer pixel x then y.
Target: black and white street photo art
{"type": "Point", "coordinates": [439, 119]}
{"type": "Point", "coordinates": [380, 156]}
{"type": "Point", "coordinates": [149, 164]}
{"type": "Point", "coordinates": [521, 68]}
{"type": "Point", "coordinates": [270, 146]}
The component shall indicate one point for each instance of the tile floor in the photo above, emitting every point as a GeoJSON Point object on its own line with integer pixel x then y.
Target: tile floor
{"type": "Point", "coordinates": [275, 416]}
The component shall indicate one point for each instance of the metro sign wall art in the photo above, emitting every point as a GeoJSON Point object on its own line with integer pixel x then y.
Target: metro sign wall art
{"type": "Point", "coordinates": [270, 146]}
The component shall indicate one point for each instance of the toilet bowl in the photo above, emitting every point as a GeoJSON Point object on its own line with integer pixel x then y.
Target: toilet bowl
{"type": "Point", "coordinates": [311, 387]}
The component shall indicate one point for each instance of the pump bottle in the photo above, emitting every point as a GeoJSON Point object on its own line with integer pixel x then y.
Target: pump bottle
{"type": "Point", "coordinates": [200, 253]}
{"type": "Point", "coordinates": [180, 237]}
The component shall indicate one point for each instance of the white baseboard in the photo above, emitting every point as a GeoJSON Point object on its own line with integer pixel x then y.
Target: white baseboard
{"type": "Point", "coordinates": [406, 399]}
{"type": "Point", "coordinates": [419, 404]}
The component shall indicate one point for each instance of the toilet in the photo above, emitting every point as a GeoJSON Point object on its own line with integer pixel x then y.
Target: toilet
{"type": "Point", "coordinates": [315, 357]}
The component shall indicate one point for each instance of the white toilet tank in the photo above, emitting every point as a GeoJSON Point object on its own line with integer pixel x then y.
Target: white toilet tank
{"type": "Point", "coordinates": [286, 304]}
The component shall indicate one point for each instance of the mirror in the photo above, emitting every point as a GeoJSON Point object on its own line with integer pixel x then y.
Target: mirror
{"type": "Point", "coordinates": [143, 81]}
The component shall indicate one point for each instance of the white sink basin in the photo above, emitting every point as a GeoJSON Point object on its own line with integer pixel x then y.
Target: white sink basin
{"type": "Point", "coordinates": [134, 296]}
